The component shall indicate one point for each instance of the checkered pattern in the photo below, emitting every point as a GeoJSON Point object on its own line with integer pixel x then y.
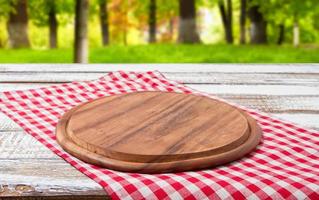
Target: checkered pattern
{"type": "Point", "coordinates": [284, 166]}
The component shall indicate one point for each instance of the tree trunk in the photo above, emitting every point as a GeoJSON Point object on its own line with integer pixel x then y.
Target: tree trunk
{"type": "Point", "coordinates": [230, 21]}
{"type": "Point", "coordinates": [242, 21]}
{"type": "Point", "coordinates": [258, 29]}
{"type": "Point", "coordinates": [18, 25]}
{"type": "Point", "coordinates": [281, 34]}
{"type": "Point", "coordinates": [296, 32]}
{"type": "Point", "coordinates": [125, 36]}
{"type": "Point", "coordinates": [104, 22]}
{"type": "Point", "coordinates": [53, 26]}
{"type": "Point", "coordinates": [226, 16]}
{"type": "Point", "coordinates": [152, 21]}
{"type": "Point", "coordinates": [81, 40]}
{"type": "Point", "coordinates": [171, 29]}
{"type": "Point", "coordinates": [187, 22]}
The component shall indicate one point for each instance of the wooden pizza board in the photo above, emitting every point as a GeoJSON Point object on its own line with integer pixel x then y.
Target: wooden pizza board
{"type": "Point", "coordinates": [157, 132]}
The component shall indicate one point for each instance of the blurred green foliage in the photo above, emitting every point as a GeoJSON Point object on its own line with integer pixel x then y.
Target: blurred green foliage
{"type": "Point", "coordinates": [166, 53]}
{"type": "Point", "coordinates": [39, 11]}
{"type": "Point", "coordinates": [285, 12]}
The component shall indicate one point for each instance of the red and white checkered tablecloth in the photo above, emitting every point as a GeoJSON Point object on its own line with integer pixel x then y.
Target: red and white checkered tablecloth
{"type": "Point", "coordinates": [284, 166]}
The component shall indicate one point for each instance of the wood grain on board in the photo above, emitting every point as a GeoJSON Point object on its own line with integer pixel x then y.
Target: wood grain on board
{"type": "Point", "coordinates": [157, 132]}
{"type": "Point", "coordinates": [289, 91]}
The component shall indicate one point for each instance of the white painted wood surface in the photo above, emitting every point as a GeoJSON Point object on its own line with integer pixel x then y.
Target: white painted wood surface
{"type": "Point", "coordinates": [27, 168]}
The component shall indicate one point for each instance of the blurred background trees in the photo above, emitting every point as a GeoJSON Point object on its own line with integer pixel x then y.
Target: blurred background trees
{"type": "Point", "coordinates": [17, 24]}
{"type": "Point", "coordinates": [187, 32]}
{"type": "Point", "coordinates": [44, 13]}
{"type": "Point", "coordinates": [45, 24]}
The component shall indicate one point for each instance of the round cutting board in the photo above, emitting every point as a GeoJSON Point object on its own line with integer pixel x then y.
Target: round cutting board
{"type": "Point", "coordinates": [156, 132]}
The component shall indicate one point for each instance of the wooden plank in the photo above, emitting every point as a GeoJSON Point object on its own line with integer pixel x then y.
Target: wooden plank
{"type": "Point", "coordinates": [297, 101]}
{"type": "Point", "coordinates": [6, 124]}
{"type": "Point", "coordinates": [250, 68]}
{"type": "Point", "coordinates": [209, 88]}
{"type": "Point", "coordinates": [303, 105]}
{"type": "Point", "coordinates": [185, 77]}
{"type": "Point", "coordinates": [18, 145]}
{"type": "Point", "coordinates": [298, 104]}
{"type": "Point", "coordinates": [307, 120]}
{"type": "Point", "coordinates": [257, 89]}
{"type": "Point", "coordinates": [21, 86]}
{"type": "Point", "coordinates": [44, 177]}
{"type": "Point", "coordinates": [277, 103]}
{"type": "Point", "coordinates": [27, 163]}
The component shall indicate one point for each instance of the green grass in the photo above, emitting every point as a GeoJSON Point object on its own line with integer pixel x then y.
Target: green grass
{"type": "Point", "coordinates": [170, 54]}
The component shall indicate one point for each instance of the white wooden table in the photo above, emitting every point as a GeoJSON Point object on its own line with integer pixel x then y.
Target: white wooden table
{"type": "Point", "coordinates": [27, 168]}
